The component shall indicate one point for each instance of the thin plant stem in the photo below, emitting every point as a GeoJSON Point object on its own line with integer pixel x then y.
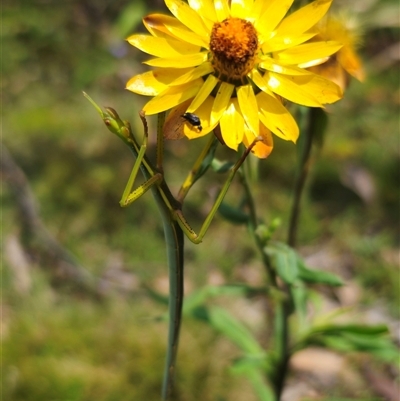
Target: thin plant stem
{"type": "Point", "coordinates": [281, 309]}
{"type": "Point", "coordinates": [253, 224]}
{"type": "Point", "coordinates": [301, 177]}
{"type": "Point", "coordinates": [282, 341]}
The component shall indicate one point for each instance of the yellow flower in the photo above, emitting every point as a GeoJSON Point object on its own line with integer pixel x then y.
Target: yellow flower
{"type": "Point", "coordinates": [345, 63]}
{"type": "Point", "coordinates": [232, 64]}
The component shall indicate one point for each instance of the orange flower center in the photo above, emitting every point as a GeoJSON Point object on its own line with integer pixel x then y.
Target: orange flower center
{"type": "Point", "coordinates": [233, 46]}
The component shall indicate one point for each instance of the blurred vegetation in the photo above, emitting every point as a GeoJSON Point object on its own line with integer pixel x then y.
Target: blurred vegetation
{"type": "Point", "coordinates": [63, 344]}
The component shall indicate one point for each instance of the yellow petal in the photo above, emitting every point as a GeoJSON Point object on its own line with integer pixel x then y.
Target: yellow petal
{"type": "Point", "coordinates": [157, 24]}
{"type": "Point", "coordinates": [162, 47]}
{"type": "Point", "coordinates": [172, 96]}
{"type": "Point", "coordinates": [324, 90]}
{"type": "Point", "coordinates": [194, 73]}
{"type": "Point", "coordinates": [304, 18]}
{"type": "Point", "coordinates": [166, 27]}
{"type": "Point", "coordinates": [286, 87]}
{"type": "Point", "coordinates": [232, 125]}
{"type": "Point", "coordinates": [307, 52]}
{"type": "Point", "coordinates": [278, 43]}
{"type": "Point", "coordinates": [187, 16]}
{"type": "Point", "coordinates": [204, 92]}
{"type": "Point", "coordinates": [308, 90]}
{"type": "Point", "coordinates": [271, 65]}
{"type": "Point", "coordinates": [257, 10]}
{"type": "Point", "coordinates": [351, 63]}
{"type": "Point", "coordinates": [189, 60]}
{"type": "Point", "coordinates": [276, 117]}
{"type": "Point", "coordinates": [151, 83]}
{"type": "Point", "coordinates": [261, 82]}
{"type": "Point", "coordinates": [187, 35]}
{"type": "Point", "coordinates": [221, 9]}
{"type": "Point", "coordinates": [241, 8]}
{"type": "Point", "coordinates": [263, 148]}
{"type": "Point", "coordinates": [273, 13]}
{"type": "Point", "coordinates": [333, 71]}
{"type": "Point", "coordinates": [314, 62]}
{"type": "Point", "coordinates": [248, 107]}
{"type": "Point", "coordinates": [221, 101]}
{"type": "Point", "coordinates": [206, 10]}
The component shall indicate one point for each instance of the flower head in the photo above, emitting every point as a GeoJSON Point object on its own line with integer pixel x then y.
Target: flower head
{"type": "Point", "coordinates": [340, 66]}
{"type": "Point", "coordinates": [232, 64]}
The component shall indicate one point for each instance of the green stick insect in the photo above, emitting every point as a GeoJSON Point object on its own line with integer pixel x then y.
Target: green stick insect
{"type": "Point", "coordinates": [170, 208]}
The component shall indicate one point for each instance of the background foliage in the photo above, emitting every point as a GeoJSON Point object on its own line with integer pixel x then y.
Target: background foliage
{"type": "Point", "coordinates": [61, 342]}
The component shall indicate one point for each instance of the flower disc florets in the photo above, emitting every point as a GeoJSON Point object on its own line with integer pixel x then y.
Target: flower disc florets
{"type": "Point", "coordinates": [233, 45]}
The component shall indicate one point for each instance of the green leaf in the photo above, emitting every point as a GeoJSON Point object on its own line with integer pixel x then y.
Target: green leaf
{"type": "Point", "coordinates": [263, 391]}
{"type": "Point", "coordinates": [221, 166]}
{"type": "Point", "coordinates": [200, 297]}
{"type": "Point", "coordinates": [156, 296]}
{"type": "Point", "coordinates": [255, 374]}
{"type": "Point", "coordinates": [352, 337]}
{"type": "Point", "coordinates": [299, 296]}
{"type": "Point", "coordinates": [335, 342]}
{"type": "Point", "coordinates": [285, 261]}
{"type": "Point", "coordinates": [291, 267]}
{"type": "Point", "coordinates": [379, 346]}
{"type": "Point", "coordinates": [200, 313]}
{"type": "Point", "coordinates": [317, 276]}
{"type": "Point", "coordinates": [232, 214]}
{"type": "Point", "coordinates": [233, 329]}
{"type": "Point", "coordinates": [352, 328]}
{"type": "Point", "coordinates": [261, 362]}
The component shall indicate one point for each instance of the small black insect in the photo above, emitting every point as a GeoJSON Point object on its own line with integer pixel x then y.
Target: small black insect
{"type": "Point", "coordinates": [193, 119]}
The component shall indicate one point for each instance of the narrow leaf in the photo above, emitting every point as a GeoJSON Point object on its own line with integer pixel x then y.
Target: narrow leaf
{"type": "Point", "coordinates": [352, 337]}
{"type": "Point", "coordinates": [284, 260]}
{"type": "Point", "coordinates": [201, 296]}
{"type": "Point", "coordinates": [236, 331]}
{"type": "Point", "coordinates": [254, 368]}
{"type": "Point", "coordinates": [233, 214]}
{"type": "Point", "coordinates": [221, 166]}
{"type": "Point", "coordinates": [352, 328]}
{"type": "Point", "coordinates": [317, 276]}
{"type": "Point", "coordinates": [299, 295]}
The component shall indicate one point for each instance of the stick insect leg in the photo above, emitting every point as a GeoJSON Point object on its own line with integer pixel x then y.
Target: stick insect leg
{"type": "Point", "coordinates": [189, 232]}
{"type": "Point", "coordinates": [130, 195]}
{"type": "Point", "coordinates": [160, 141]}
{"type": "Point", "coordinates": [123, 130]}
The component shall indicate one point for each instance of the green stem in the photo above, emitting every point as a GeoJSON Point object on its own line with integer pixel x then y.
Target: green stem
{"type": "Point", "coordinates": [253, 224]}
{"type": "Point", "coordinates": [280, 319]}
{"type": "Point", "coordinates": [281, 335]}
{"type": "Point", "coordinates": [166, 205]}
{"type": "Point", "coordinates": [304, 166]}
{"type": "Point", "coordinates": [174, 245]}
{"type": "Point", "coordinates": [283, 309]}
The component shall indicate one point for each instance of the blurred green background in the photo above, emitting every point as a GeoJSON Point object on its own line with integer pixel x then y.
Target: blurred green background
{"type": "Point", "coordinates": [62, 340]}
